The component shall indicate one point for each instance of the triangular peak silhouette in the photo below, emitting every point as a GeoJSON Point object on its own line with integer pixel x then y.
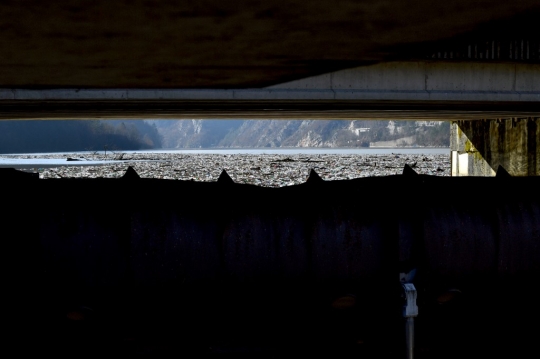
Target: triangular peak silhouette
{"type": "Point", "coordinates": [502, 173]}
{"type": "Point", "coordinates": [131, 174]}
{"type": "Point", "coordinates": [408, 171]}
{"type": "Point", "coordinates": [314, 177]}
{"type": "Point", "coordinates": [224, 178]}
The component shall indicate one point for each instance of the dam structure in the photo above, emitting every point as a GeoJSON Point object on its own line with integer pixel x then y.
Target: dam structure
{"type": "Point", "coordinates": [396, 266]}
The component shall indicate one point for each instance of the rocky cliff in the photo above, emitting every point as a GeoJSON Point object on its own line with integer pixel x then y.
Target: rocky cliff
{"type": "Point", "coordinates": [300, 133]}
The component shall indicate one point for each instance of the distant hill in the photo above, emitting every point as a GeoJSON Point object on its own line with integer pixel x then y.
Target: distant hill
{"type": "Point", "coordinates": [298, 133]}
{"type": "Point", "coordinates": [77, 135]}
{"type": "Point", "coordinates": [117, 135]}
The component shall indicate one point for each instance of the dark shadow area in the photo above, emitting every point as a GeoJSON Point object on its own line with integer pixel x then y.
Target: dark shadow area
{"type": "Point", "coordinates": [161, 268]}
{"type": "Point", "coordinates": [249, 45]}
{"type": "Point", "coordinates": [510, 39]}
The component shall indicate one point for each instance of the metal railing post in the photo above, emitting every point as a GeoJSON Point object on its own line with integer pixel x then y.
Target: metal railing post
{"type": "Point", "coordinates": [410, 311]}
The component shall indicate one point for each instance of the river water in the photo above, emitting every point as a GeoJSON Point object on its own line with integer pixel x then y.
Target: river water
{"type": "Point", "coordinates": [311, 151]}
{"type": "Point", "coordinates": [96, 158]}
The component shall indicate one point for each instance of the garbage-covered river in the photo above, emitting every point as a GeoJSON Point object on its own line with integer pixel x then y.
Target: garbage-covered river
{"type": "Point", "coordinates": [262, 167]}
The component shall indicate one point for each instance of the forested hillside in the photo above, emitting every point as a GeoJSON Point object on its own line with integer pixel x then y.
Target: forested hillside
{"type": "Point", "coordinates": [81, 135]}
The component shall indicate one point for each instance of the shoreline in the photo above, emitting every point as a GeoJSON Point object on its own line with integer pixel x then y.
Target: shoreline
{"type": "Point", "coordinates": [248, 150]}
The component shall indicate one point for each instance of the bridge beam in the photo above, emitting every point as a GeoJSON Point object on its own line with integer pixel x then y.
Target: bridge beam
{"type": "Point", "coordinates": [418, 90]}
{"type": "Point", "coordinates": [479, 147]}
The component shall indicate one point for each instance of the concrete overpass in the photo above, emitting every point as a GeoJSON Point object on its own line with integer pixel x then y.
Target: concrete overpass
{"type": "Point", "coordinates": [458, 61]}
{"type": "Point", "coordinates": [395, 90]}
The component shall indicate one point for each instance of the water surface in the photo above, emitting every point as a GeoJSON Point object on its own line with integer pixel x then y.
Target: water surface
{"type": "Point", "coordinates": [57, 159]}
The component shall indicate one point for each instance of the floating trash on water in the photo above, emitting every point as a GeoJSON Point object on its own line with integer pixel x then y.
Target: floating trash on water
{"type": "Point", "coordinates": [271, 170]}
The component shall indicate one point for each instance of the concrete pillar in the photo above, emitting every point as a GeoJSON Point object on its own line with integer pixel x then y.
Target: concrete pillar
{"type": "Point", "coordinates": [479, 147]}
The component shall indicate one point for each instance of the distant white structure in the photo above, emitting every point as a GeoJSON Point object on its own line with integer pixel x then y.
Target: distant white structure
{"type": "Point", "coordinates": [359, 130]}
{"type": "Point", "coordinates": [427, 123]}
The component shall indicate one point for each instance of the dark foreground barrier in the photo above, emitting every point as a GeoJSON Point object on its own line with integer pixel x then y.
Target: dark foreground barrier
{"type": "Point", "coordinates": [158, 267]}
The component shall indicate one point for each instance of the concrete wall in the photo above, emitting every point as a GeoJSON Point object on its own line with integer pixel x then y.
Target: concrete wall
{"type": "Point", "coordinates": [436, 80]}
{"type": "Point", "coordinates": [479, 147]}
{"type": "Point", "coordinates": [407, 81]}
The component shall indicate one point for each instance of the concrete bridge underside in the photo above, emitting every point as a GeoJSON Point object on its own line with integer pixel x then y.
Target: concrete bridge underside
{"type": "Point", "coordinates": [419, 90]}
{"type": "Point", "coordinates": [211, 44]}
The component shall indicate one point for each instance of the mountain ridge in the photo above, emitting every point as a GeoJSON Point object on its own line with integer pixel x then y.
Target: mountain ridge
{"type": "Point", "coordinates": [301, 133]}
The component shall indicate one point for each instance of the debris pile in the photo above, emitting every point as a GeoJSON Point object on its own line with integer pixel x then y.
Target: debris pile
{"type": "Point", "coordinates": [268, 170]}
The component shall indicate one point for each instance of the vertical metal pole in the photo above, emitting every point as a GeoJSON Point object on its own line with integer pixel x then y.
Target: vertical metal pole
{"type": "Point", "coordinates": [409, 336]}
{"type": "Point", "coordinates": [410, 311]}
